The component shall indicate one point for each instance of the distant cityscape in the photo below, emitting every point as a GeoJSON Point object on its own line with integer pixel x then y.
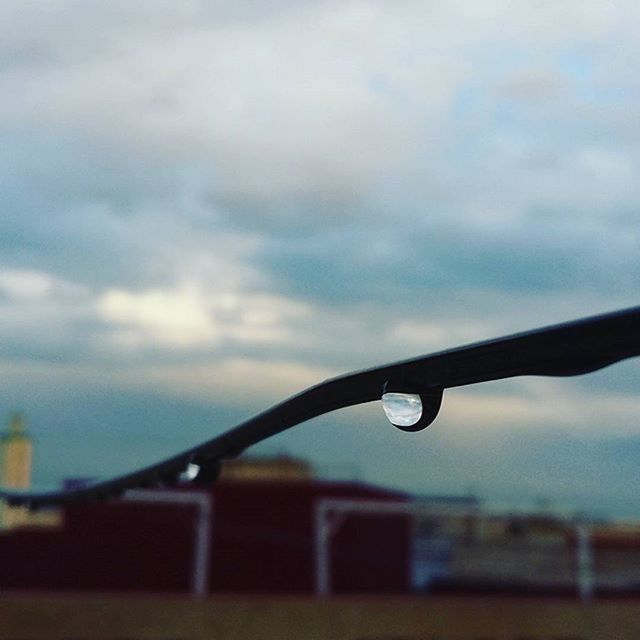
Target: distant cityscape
{"type": "Point", "coordinates": [316, 536]}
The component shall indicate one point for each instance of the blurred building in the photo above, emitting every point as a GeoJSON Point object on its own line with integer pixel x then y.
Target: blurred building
{"type": "Point", "coordinates": [254, 531]}
{"type": "Point", "coordinates": [268, 526]}
{"type": "Point", "coordinates": [269, 468]}
{"type": "Point", "coordinates": [16, 456]}
{"type": "Point", "coordinates": [15, 468]}
{"type": "Point", "coordinates": [513, 554]}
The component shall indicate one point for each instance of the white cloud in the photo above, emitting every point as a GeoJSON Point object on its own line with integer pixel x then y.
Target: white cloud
{"type": "Point", "coordinates": [193, 315]}
{"type": "Point", "coordinates": [176, 317]}
{"type": "Point", "coordinates": [27, 284]}
{"type": "Point", "coordinates": [319, 101]}
{"type": "Point", "coordinates": [539, 403]}
{"type": "Point", "coordinates": [436, 335]}
{"type": "Point", "coordinates": [241, 381]}
{"type": "Point", "coordinates": [535, 84]}
{"type": "Point", "coordinates": [250, 384]}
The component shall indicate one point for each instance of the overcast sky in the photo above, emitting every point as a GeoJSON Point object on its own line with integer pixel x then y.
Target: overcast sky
{"type": "Point", "coordinates": [208, 206]}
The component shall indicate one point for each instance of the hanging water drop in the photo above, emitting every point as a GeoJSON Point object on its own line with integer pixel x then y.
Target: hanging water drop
{"type": "Point", "coordinates": [190, 473]}
{"type": "Point", "coordinates": [402, 409]}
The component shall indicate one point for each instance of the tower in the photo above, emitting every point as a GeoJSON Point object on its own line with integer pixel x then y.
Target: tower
{"type": "Point", "coordinates": [15, 467]}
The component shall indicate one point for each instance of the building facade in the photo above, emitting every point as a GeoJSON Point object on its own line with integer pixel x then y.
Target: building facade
{"type": "Point", "coordinates": [16, 450]}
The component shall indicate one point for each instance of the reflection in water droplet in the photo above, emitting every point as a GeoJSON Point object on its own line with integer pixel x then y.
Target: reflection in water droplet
{"type": "Point", "coordinates": [402, 409]}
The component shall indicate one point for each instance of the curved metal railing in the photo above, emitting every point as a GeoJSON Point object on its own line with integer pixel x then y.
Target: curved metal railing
{"type": "Point", "coordinates": [569, 349]}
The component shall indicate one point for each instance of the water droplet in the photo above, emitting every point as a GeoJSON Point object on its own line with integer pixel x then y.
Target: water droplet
{"type": "Point", "coordinates": [402, 409]}
{"type": "Point", "coordinates": [190, 473]}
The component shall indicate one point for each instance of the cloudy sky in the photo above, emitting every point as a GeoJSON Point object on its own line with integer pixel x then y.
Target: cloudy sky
{"type": "Point", "coordinates": [208, 206]}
